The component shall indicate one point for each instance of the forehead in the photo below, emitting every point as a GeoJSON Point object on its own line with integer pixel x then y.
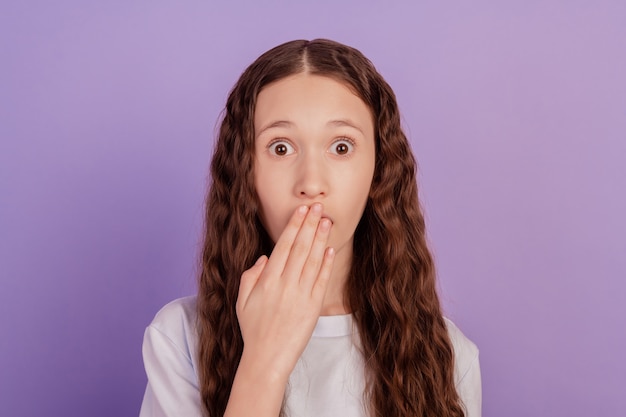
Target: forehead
{"type": "Point", "coordinates": [307, 97]}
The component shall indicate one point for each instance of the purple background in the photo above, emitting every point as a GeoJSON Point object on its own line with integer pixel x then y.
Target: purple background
{"type": "Point", "coordinates": [517, 114]}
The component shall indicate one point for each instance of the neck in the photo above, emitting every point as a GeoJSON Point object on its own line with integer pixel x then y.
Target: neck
{"type": "Point", "coordinates": [334, 303]}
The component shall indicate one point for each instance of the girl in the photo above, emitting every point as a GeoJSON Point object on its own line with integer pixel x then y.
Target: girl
{"type": "Point", "coordinates": [317, 294]}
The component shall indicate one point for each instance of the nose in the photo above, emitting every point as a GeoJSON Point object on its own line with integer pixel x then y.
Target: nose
{"type": "Point", "coordinates": [311, 181]}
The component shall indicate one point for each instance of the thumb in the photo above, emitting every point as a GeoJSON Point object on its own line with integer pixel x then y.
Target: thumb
{"type": "Point", "coordinates": [248, 281]}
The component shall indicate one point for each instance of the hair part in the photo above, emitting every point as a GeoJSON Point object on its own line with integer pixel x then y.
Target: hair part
{"type": "Point", "coordinates": [391, 289]}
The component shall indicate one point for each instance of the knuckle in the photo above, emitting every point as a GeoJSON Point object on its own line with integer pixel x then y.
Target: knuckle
{"type": "Point", "coordinates": [312, 221]}
{"type": "Point", "coordinates": [315, 260]}
{"type": "Point", "coordinates": [293, 224]}
{"type": "Point", "coordinates": [299, 249]}
{"type": "Point", "coordinates": [266, 286]}
{"type": "Point", "coordinates": [282, 245]}
{"type": "Point", "coordinates": [321, 237]}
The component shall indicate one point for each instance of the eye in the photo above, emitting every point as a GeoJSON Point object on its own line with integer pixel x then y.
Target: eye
{"type": "Point", "coordinates": [342, 147]}
{"type": "Point", "coordinates": [280, 148]}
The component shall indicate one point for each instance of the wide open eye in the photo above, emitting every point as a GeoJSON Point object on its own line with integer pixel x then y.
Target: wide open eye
{"type": "Point", "coordinates": [342, 147]}
{"type": "Point", "coordinates": [280, 148]}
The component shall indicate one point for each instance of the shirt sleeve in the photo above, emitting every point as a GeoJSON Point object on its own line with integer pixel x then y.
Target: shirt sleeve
{"type": "Point", "coordinates": [466, 371]}
{"type": "Point", "coordinates": [172, 388]}
{"type": "Point", "coordinates": [469, 389]}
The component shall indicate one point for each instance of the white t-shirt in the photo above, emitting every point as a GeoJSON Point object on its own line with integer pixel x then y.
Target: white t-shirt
{"type": "Point", "coordinates": [328, 379]}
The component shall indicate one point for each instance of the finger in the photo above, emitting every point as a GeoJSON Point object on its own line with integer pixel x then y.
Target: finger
{"type": "Point", "coordinates": [280, 254]}
{"type": "Point", "coordinates": [248, 281]}
{"type": "Point", "coordinates": [315, 259]}
{"type": "Point", "coordinates": [301, 248]}
{"type": "Point", "coordinates": [321, 283]}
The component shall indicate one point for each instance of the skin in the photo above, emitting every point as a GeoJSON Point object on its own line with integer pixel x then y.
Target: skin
{"type": "Point", "coordinates": [315, 156]}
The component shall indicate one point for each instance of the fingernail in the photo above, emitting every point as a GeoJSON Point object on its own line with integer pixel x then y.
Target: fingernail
{"type": "Point", "coordinates": [260, 260]}
{"type": "Point", "coordinates": [316, 208]}
{"type": "Point", "coordinates": [302, 209]}
{"type": "Point", "coordinates": [325, 225]}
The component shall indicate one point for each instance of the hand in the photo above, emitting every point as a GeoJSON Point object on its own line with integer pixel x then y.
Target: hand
{"type": "Point", "coordinates": [280, 298]}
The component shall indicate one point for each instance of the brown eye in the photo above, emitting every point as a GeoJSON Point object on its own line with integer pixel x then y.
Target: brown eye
{"type": "Point", "coordinates": [280, 148]}
{"type": "Point", "coordinates": [342, 147]}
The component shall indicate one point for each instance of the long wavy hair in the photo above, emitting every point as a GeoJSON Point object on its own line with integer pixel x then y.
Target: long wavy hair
{"type": "Point", "coordinates": [391, 290]}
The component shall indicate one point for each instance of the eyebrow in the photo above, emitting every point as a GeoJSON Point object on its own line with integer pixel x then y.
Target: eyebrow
{"type": "Point", "coordinates": [286, 123]}
{"type": "Point", "coordinates": [278, 123]}
{"type": "Point", "coordinates": [344, 123]}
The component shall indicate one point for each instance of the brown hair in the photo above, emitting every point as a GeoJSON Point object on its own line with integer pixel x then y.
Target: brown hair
{"type": "Point", "coordinates": [391, 291]}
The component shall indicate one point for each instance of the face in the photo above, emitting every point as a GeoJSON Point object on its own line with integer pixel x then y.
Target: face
{"type": "Point", "coordinates": [314, 143]}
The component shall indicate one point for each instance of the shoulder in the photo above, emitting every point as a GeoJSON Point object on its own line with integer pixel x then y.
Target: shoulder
{"type": "Point", "coordinates": [465, 351]}
{"type": "Point", "coordinates": [466, 371]}
{"type": "Point", "coordinates": [169, 356]}
{"type": "Point", "coordinates": [181, 311]}
{"type": "Point", "coordinates": [176, 323]}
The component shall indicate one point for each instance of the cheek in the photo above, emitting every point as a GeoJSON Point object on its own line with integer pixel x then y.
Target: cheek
{"type": "Point", "coordinates": [274, 214]}
{"type": "Point", "coordinates": [356, 187]}
{"type": "Point", "coordinates": [354, 193]}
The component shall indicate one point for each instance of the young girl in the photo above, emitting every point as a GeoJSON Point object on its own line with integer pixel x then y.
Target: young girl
{"type": "Point", "coordinates": [317, 295]}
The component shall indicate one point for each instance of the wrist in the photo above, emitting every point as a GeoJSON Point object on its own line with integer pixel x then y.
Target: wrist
{"type": "Point", "coordinates": [261, 369]}
{"type": "Point", "coordinates": [257, 389]}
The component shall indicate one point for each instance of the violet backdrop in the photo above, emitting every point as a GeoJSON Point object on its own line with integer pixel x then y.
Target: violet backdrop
{"type": "Point", "coordinates": [517, 114]}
